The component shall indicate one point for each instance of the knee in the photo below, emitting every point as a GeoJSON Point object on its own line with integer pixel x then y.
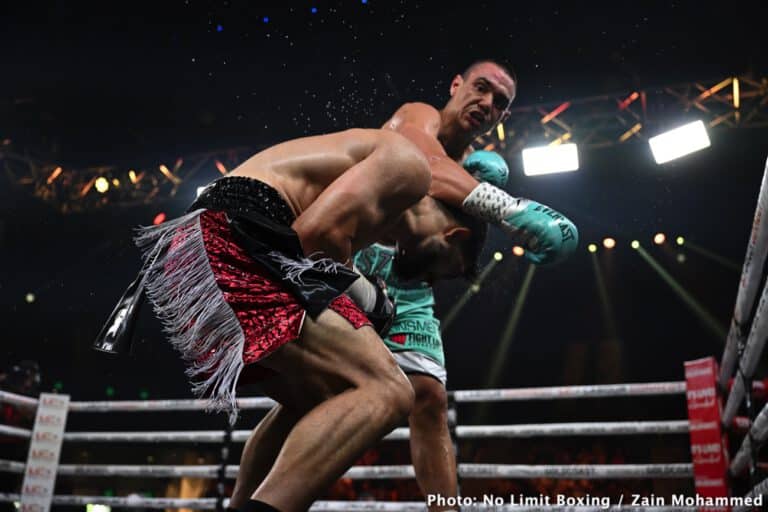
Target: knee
{"type": "Point", "coordinates": [394, 394]}
{"type": "Point", "coordinates": [431, 398]}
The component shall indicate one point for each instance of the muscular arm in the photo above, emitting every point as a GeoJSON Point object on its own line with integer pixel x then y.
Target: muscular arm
{"type": "Point", "coordinates": [358, 205]}
{"type": "Point", "coordinates": [419, 123]}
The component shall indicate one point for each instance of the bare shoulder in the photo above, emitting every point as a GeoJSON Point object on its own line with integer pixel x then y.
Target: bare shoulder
{"type": "Point", "coordinates": [424, 116]}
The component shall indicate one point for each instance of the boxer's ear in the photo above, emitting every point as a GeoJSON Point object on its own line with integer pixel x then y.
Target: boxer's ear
{"type": "Point", "coordinates": [457, 234]}
{"type": "Point", "coordinates": [456, 83]}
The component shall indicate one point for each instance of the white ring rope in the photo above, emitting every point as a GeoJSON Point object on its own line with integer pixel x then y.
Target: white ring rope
{"type": "Point", "coordinates": [758, 433]}
{"type": "Point", "coordinates": [749, 283]}
{"type": "Point", "coordinates": [565, 392]}
{"type": "Point", "coordinates": [462, 432]}
{"type": "Point", "coordinates": [18, 400]}
{"type": "Point", "coordinates": [186, 436]}
{"type": "Point", "coordinates": [749, 358]}
{"type": "Point", "coordinates": [323, 506]}
{"type": "Point", "coordinates": [578, 471]}
{"type": "Point", "coordinates": [574, 429]}
{"type": "Point", "coordinates": [760, 489]}
{"type": "Point", "coordinates": [7, 430]}
{"type": "Point", "coordinates": [491, 395]}
{"type": "Point", "coordinates": [164, 405]}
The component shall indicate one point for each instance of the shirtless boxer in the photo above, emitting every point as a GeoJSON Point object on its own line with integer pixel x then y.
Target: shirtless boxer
{"type": "Point", "coordinates": [479, 99]}
{"type": "Point", "coordinates": [435, 470]}
{"type": "Point", "coordinates": [252, 280]}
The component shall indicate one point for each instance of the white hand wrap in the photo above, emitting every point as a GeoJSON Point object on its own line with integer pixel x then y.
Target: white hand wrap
{"type": "Point", "coordinates": [363, 292]}
{"type": "Point", "coordinates": [491, 204]}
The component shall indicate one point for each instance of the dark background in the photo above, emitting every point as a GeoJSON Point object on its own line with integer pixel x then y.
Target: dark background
{"type": "Point", "coordinates": [144, 83]}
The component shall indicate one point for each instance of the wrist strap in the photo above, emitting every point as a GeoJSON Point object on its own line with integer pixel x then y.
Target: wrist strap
{"type": "Point", "coordinates": [491, 204]}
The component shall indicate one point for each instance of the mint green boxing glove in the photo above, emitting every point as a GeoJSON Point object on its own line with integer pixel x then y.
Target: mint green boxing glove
{"type": "Point", "coordinates": [546, 235]}
{"type": "Point", "coordinates": [487, 166]}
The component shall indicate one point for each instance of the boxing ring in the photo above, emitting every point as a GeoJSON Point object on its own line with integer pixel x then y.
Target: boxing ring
{"type": "Point", "coordinates": [711, 467]}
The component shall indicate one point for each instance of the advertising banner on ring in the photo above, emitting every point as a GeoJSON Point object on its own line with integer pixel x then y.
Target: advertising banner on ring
{"type": "Point", "coordinates": [44, 450]}
{"type": "Point", "coordinates": [709, 445]}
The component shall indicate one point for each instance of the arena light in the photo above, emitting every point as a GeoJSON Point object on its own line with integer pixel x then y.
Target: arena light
{"type": "Point", "coordinates": [30, 298]}
{"type": "Point", "coordinates": [115, 182]}
{"type": "Point", "coordinates": [659, 238]}
{"type": "Point", "coordinates": [609, 243]}
{"type": "Point", "coordinates": [635, 244]}
{"type": "Point", "coordinates": [101, 184]}
{"type": "Point", "coordinates": [518, 251]}
{"type": "Point", "coordinates": [736, 95]}
{"type": "Point", "coordinates": [168, 174]}
{"type": "Point", "coordinates": [679, 142]}
{"type": "Point", "coordinates": [55, 174]}
{"type": "Point", "coordinates": [498, 256]}
{"type": "Point", "coordinates": [500, 131]}
{"type": "Point", "coordinates": [133, 177]}
{"type": "Point", "coordinates": [550, 159]}
{"type": "Point", "coordinates": [680, 240]}
{"type": "Point", "coordinates": [592, 248]}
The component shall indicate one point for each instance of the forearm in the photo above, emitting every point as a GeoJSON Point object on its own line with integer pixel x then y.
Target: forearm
{"type": "Point", "coordinates": [451, 184]}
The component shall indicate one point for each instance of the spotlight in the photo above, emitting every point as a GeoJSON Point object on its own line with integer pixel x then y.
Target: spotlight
{"type": "Point", "coordinates": [101, 184]}
{"type": "Point", "coordinates": [498, 256]}
{"type": "Point", "coordinates": [30, 298]}
{"type": "Point", "coordinates": [679, 142]}
{"type": "Point", "coordinates": [659, 238]}
{"type": "Point", "coordinates": [635, 244]}
{"type": "Point", "coordinates": [609, 243]}
{"type": "Point", "coordinates": [681, 258]}
{"type": "Point", "coordinates": [550, 159]}
{"type": "Point", "coordinates": [133, 177]}
{"type": "Point", "coordinates": [115, 182]}
{"type": "Point", "coordinates": [518, 251]}
{"type": "Point", "coordinates": [475, 288]}
{"type": "Point", "coordinates": [680, 240]}
{"type": "Point", "coordinates": [592, 248]}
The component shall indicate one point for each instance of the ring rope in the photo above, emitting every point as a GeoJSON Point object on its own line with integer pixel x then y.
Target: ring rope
{"type": "Point", "coordinates": [480, 471]}
{"type": "Point", "coordinates": [467, 396]}
{"type": "Point", "coordinates": [17, 400]}
{"type": "Point", "coordinates": [325, 506]}
{"type": "Point", "coordinates": [749, 283]}
{"type": "Point", "coordinates": [760, 489]}
{"type": "Point", "coordinates": [749, 359]}
{"type": "Point", "coordinates": [757, 435]}
{"type": "Point", "coordinates": [7, 430]}
{"type": "Point", "coordinates": [400, 434]}
{"type": "Point", "coordinates": [555, 392]}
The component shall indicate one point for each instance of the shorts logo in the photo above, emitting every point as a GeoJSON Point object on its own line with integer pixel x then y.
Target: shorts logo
{"type": "Point", "coordinates": [398, 338]}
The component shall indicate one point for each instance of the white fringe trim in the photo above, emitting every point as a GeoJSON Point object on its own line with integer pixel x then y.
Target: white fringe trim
{"type": "Point", "coordinates": [185, 297]}
{"type": "Point", "coordinates": [295, 268]}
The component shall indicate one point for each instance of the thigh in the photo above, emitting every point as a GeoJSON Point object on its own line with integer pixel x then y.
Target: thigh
{"type": "Point", "coordinates": [330, 353]}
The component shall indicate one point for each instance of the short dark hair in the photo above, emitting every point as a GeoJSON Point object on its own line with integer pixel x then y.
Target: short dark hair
{"type": "Point", "coordinates": [472, 246]}
{"type": "Point", "coordinates": [504, 67]}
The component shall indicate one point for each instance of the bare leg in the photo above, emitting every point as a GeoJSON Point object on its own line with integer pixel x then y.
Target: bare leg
{"type": "Point", "coordinates": [369, 396]}
{"type": "Point", "coordinates": [260, 452]}
{"type": "Point", "coordinates": [432, 451]}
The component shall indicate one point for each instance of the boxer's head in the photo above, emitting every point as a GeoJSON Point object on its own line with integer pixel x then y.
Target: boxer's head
{"type": "Point", "coordinates": [442, 243]}
{"type": "Point", "coordinates": [480, 97]}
